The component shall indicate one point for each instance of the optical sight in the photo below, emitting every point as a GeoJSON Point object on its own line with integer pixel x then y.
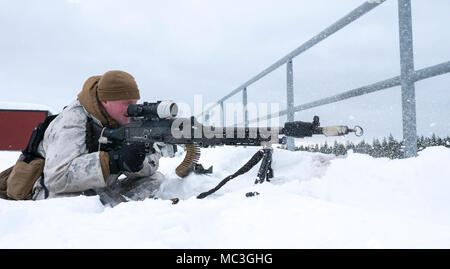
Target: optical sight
{"type": "Point", "coordinates": [160, 109]}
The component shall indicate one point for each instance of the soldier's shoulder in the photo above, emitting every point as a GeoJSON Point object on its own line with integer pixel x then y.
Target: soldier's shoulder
{"type": "Point", "coordinates": [71, 122]}
{"type": "Point", "coordinates": [72, 114]}
{"type": "Point", "coordinates": [75, 107]}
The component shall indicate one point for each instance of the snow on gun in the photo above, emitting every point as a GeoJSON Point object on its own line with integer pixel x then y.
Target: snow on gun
{"type": "Point", "coordinates": [156, 122]}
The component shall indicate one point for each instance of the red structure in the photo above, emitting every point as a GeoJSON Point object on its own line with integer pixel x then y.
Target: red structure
{"type": "Point", "coordinates": [16, 127]}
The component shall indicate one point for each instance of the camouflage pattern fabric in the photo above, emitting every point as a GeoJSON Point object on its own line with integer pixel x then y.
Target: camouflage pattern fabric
{"type": "Point", "coordinates": [69, 168]}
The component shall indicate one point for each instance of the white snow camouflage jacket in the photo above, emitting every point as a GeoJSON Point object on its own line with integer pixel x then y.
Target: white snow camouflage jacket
{"type": "Point", "coordinates": [69, 168]}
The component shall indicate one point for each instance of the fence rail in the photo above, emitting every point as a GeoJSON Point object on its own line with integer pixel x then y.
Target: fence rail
{"type": "Point", "coordinates": [421, 74]}
{"type": "Point", "coordinates": [408, 76]}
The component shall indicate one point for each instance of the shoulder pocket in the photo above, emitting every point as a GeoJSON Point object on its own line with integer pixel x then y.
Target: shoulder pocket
{"type": "Point", "coordinates": [22, 178]}
{"type": "Point", "coordinates": [3, 177]}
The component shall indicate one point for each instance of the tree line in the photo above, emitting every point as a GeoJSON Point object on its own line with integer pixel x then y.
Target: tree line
{"type": "Point", "coordinates": [387, 147]}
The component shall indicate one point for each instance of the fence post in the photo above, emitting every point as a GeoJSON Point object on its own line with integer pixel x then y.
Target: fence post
{"type": "Point", "coordinates": [406, 77]}
{"type": "Point", "coordinates": [222, 114]}
{"type": "Point", "coordinates": [290, 101]}
{"type": "Point", "coordinates": [244, 102]}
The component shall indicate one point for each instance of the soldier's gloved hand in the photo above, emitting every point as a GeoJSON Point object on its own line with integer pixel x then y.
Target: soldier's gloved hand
{"type": "Point", "coordinates": [129, 158]}
{"type": "Point", "coordinates": [166, 150]}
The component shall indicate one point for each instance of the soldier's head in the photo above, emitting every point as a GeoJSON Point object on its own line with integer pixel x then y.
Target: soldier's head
{"type": "Point", "coordinates": [116, 90]}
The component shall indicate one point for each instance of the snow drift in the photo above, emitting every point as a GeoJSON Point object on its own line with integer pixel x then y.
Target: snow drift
{"type": "Point", "coordinates": [314, 201]}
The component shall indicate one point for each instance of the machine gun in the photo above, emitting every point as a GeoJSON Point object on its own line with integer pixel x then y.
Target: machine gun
{"type": "Point", "coordinates": [157, 122]}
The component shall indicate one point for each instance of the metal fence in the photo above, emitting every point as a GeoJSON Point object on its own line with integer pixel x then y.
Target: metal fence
{"type": "Point", "coordinates": [407, 78]}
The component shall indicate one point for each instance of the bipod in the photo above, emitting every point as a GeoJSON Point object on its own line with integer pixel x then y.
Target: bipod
{"type": "Point", "coordinates": [264, 174]}
{"type": "Point", "coordinates": [265, 170]}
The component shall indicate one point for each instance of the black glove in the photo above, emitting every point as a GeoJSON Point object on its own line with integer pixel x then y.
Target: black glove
{"type": "Point", "coordinates": [129, 158]}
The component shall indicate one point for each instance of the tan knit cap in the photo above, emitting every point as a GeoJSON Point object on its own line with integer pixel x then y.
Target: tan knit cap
{"type": "Point", "coordinates": [117, 85]}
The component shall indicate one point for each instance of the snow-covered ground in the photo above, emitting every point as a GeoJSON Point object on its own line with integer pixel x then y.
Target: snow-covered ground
{"type": "Point", "coordinates": [314, 201]}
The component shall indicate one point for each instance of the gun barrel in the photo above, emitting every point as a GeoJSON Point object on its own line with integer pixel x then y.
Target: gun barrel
{"type": "Point", "coordinates": [210, 136]}
{"type": "Point", "coordinates": [300, 129]}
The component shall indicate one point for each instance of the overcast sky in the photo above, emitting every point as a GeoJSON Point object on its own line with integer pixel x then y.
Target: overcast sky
{"type": "Point", "coordinates": [177, 49]}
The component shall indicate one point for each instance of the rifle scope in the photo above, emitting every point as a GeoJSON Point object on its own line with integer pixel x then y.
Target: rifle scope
{"type": "Point", "coordinates": [160, 109]}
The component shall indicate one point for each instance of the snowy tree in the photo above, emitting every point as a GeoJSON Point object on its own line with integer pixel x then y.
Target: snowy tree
{"type": "Point", "coordinates": [377, 149]}
{"type": "Point", "coordinates": [394, 148]}
{"type": "Point", "coordinates": [389, 147]}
